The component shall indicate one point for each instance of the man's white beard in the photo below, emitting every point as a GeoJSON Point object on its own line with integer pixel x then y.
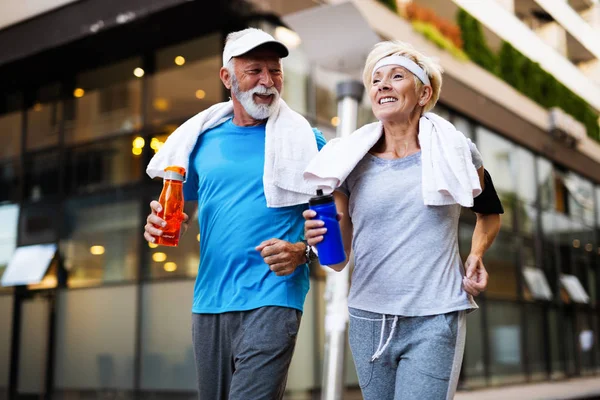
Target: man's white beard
{"type": "Point", "coordinates": [256, 111]}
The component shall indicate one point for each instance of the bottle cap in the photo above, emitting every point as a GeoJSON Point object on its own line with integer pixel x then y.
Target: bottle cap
{"type": "Point", "coordinates": [320, 198]}
{"type": "Point", "coordinates": [173, 172]}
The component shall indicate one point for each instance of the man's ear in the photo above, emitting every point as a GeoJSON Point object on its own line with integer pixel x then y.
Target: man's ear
{"type": "Point", "coordinates": [225, 77]}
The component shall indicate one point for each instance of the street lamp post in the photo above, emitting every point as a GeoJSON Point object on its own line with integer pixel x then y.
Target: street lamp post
{"type": "Point", "coordinates": [349, 94]}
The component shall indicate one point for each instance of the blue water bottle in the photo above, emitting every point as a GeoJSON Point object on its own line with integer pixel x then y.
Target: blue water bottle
{"type": "Point", "coordinates": [331, 248]}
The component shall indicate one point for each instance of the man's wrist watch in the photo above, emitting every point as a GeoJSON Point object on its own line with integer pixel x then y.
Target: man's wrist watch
{"type": "Point", "coordinates": [308, 252]}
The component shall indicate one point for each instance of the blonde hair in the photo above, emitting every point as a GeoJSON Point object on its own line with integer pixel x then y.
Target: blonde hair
{"type": "Point", "coordinates": [395, 47]}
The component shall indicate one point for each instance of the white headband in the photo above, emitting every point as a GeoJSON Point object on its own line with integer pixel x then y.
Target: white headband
{"type": "Point", "coordinates": [406, 63]}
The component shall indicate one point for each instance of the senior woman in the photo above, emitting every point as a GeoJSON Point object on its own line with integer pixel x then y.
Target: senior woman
{"type": "Point", "coordinates": [399, 187]}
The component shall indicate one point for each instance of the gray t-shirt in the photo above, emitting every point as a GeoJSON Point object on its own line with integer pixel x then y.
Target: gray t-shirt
{"type": "Point", "coordinates": [406, 253]}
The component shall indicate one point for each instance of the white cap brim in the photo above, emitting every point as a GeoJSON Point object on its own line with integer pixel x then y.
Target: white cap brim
{"type": "Point", "coordinates": [249, 42]}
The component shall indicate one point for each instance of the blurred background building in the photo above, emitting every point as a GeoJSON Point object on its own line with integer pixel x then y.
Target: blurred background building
{"type": "Point", "coordinates": [90, 89]}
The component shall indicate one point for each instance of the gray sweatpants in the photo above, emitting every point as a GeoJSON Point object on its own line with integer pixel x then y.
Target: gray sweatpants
{"type": "Point", "coordinates": [244, 355]}
{"type": "Point", "coordinates": [411, 358]}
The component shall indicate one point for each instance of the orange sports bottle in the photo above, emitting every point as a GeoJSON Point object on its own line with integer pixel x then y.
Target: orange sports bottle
{"type": "Point", "coordinates": [171, 200]}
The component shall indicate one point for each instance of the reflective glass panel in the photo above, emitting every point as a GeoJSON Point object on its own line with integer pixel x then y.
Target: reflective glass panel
{"type": "Point", "coordinates": [506, 364]}
{"type": "Point", "coordinates": [101, 240]}
{"type": "Point", "coordinates": [186, 80]}
{"type": "Point", "coordinates": [105, 101]}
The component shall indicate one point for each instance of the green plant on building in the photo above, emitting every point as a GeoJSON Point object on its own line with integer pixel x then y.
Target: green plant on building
{"type": "Point", "coordinates": [434, 35]}
{"type": "Point", "coordinates": [526, 76]}
{"type": "Point", "coordinates": [474, 43]}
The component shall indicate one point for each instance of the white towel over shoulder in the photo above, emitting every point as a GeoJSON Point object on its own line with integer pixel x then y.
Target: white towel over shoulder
{"type": "Point", "coordinates": [449, 176]}
{"type": "Point", "coordinates": [289, 146]}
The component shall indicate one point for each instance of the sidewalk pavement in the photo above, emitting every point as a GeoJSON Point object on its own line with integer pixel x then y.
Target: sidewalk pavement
{"type": "Point", "coordinates": [577, 388]}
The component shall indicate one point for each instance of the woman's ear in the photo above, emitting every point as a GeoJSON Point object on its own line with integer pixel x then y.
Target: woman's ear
{"type": "Point", "coordinates": [425, 96]}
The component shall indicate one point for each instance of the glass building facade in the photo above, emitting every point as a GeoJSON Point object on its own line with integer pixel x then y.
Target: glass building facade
{"type": "Point", "coordinates": [112, 315]}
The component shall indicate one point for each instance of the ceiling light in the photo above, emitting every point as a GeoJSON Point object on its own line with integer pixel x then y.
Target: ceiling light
{"type": "Point", "coordinates": [200, 94]}
{"type": "Point", "coordinates": [79, 92]}
{"type": "Point", "coordinates": [139, 142]}
{"type": "Point", "coordinates": [97, 250]}
{"type": "Point", "coordinates": [159, 257]}
{"type": "Point", "coordinates": [170, 266]}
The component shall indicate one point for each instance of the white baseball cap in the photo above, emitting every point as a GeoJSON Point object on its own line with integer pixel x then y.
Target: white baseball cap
{"type": "Point", "coordinates": [250, 41]}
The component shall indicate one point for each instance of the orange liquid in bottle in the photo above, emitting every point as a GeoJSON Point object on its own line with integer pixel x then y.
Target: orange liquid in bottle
{"type": "Point", "coordinates": [171, 200]}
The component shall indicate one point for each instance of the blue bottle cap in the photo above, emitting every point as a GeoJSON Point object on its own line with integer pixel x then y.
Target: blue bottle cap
{"type": "Point", "coordinates": [320, 198]}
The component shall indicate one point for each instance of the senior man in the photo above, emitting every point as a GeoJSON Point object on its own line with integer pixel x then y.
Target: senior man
{"type": "Point", "coordinates": [244, 161]}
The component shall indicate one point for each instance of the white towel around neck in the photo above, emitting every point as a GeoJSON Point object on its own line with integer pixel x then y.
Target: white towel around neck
{"type": "Point", "coordinates": [290, 144]}
{"type": "Point", "coordinates": [448, 173]}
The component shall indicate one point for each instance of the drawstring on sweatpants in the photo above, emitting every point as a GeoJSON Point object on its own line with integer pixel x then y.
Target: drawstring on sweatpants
{"type": "Point", "coordinates": [380, 349]}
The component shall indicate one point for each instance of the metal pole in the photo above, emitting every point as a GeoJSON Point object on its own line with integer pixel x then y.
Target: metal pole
{"type": "Point", "coordinates": [349, 94]}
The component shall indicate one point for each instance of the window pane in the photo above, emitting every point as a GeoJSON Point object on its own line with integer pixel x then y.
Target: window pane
{"type": "Point", "coordinates": [6, 314]}
{"type": "Point", "coordinates": [592, 284]}
{"type": "Point", "coordinates": [586, 344]}
{"type": "Point", "coordinates": [506, 365]}
{"type": "Point", "coordinates": [571, 340]}
{"type": "Point", "coordinates": [526, 187]}
{"type": "Point", "coordinates": [527, 218]}
{"type": "Point", "coordinates": [109, 163]}
{"type": "Point", "coordinates": [33, 341]}
{"type": "Point", "coordinates": [497, 158]}
{"type": "Point", "coordinates": [556, 354]}
{"type": "Point", "coordinates": [596, 343]}
{"type": "Point", "coordinates": [9, 180]}
{"type": "Point", "coordinates": [167, 354]}
{"type": "Point", "coordinates": [10, 125]}
{"type": "Point", "coordinates": [535, 341]}
{"type": "Point", "coordinates": [501, 262]}
{"type": "Point", "coordinates": [180, 261]}
{"type": "Point", "coordinates": [473, 366]}
{"type": "Point", "coordinates": [181, 91]}
{"type": "Point", "coordinates": [545, 181]}
{"type": "Point", "coordinates": [463, 125]}
{"type": "Point", "coordinates": [101, 240]}
{"type": "Point", "coordinates": [42, 174]}
{"type": "Point", "coordinates": [581, 198]}
{"type": "Point", "coordinates": [38, 223]}
{"type": "Point", "coordinates": [95, 339]}
{"type": "Point", "coordinates": [598, 207]}
{"type": "Point", "coordinates": [43, 119]}
{"type": "Point", "coordinates": [549, 243]}
{"type": "Point", "coordinates": [105, 101]}
{"type": "Point", "coordinates": [9, 215]}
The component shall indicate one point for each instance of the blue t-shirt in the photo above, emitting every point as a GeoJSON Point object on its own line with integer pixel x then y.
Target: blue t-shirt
{"type": "Point", "coordinates": [226, 177]}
